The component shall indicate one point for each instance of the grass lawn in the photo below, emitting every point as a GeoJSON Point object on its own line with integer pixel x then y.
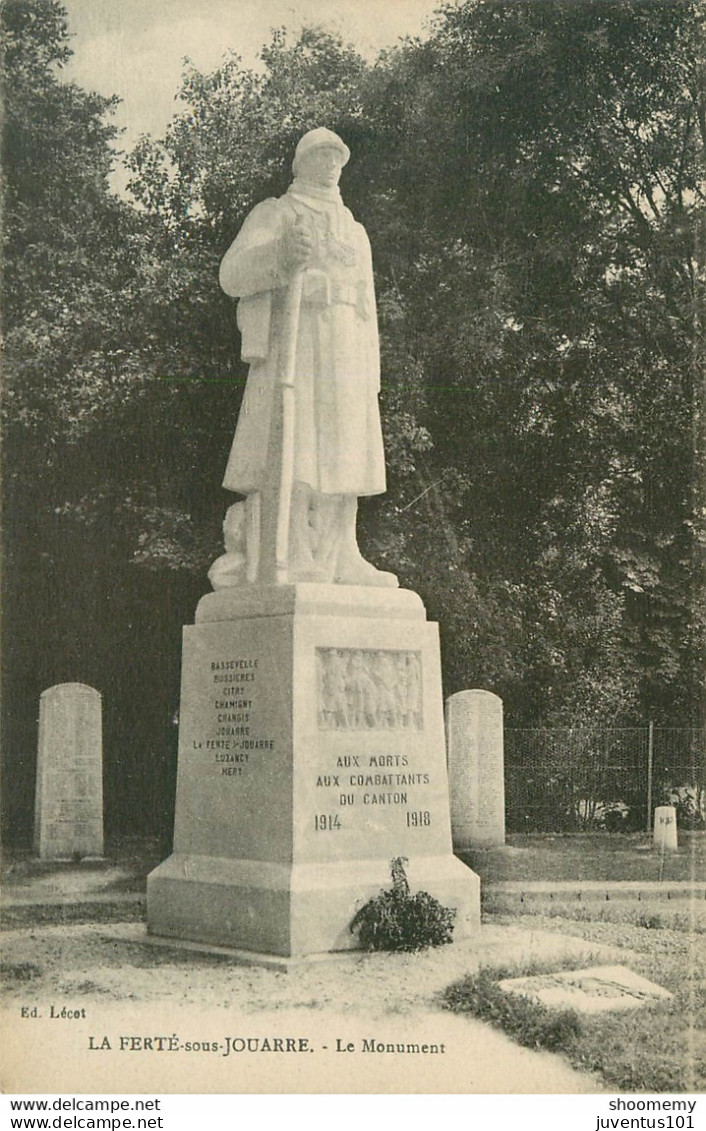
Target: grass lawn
{"type": "Point", "coordinates": [660, 1047]}
{"type": "Point", "coordinates": [526, 856]}
{"type": "Point", "coordinates": [656, 1048]}
{"type": "Point", "coordinates": [590, 856]}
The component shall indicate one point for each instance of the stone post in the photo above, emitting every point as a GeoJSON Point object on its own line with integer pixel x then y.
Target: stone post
{"type": "Point", "coordinates": [68, 816]}
{"type": "Point", "coordinates": [474, 737]}
{"type": "Point", "coordinates": [665, 828]}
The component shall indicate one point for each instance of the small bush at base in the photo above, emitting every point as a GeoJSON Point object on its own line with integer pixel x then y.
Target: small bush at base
{"type": "Point", "coordinates": [397, 920]}
{"type": "Point", "coordinates": [530, 1023]}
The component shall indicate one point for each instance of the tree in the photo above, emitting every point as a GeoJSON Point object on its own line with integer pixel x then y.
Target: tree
{"type": "Point", "coordinates": [122, 391]}
{"type": "Point", "coordinates": [536, 273]}
{"type": "Point", "coordinates": [530, 179]}
{"type": "Point", "coordinates": [554, 207]}
{"type": "Point", "coordinates": [74, 284]}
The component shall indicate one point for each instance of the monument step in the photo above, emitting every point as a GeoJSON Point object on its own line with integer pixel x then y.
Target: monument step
{"type": "Point", "coordinates": [290, 910]}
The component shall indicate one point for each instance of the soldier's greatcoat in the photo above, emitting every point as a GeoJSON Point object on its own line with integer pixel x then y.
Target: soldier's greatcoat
{"type": "Point", "coordinates": [337, 434]}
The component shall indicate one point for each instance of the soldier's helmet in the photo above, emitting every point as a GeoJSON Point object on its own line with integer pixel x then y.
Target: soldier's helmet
{"type": "Point", "coordinates": [314, 139]}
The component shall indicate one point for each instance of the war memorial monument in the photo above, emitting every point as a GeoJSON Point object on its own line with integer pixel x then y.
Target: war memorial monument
{"type": "Point", "coordinates": [311, 745]}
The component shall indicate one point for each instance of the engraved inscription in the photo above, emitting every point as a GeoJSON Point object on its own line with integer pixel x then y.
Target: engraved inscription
{"type": "Point", "coordinates": [230, 735]}
{"type": "Point", "coordinates": [369, 689]}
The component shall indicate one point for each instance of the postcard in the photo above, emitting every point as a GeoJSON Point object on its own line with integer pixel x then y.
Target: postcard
{"type": "Point", "coordinates": [353, 732]}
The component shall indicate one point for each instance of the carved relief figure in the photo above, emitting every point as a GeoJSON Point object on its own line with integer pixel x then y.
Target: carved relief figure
{"type": "Point", "coordinates": [362, 692]}
{"type": "Point", "coordinates": [333, 685]}
{"type": "Point", "coordinates": [386, 673]}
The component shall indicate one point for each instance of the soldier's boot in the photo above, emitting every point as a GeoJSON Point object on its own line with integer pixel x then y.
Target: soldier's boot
{"type": "Point", "coordinates": [350, 567]}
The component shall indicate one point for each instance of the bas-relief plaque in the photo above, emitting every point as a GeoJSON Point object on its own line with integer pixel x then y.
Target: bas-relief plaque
{"type": "Point", "coordinates": [369, 689]}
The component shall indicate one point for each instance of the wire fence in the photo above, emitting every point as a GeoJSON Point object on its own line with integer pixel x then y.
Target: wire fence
{"type": "Point", "coordinates": [574, 779]}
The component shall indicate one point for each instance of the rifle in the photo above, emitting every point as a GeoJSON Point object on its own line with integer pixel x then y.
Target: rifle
{"type": "Point", "coordinates": [288, 356]}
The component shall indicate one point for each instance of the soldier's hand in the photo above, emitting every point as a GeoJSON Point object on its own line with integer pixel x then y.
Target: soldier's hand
{"type": "Point", "coordinates": [298, 248]}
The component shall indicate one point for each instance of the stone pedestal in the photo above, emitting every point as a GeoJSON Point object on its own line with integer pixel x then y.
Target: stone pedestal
{"type": "Point", "coordinates": [68, 813]}
{"type": "Point", "coordinates": [474, 734]}
{"type": "Point", "coordinates": [311, 752]}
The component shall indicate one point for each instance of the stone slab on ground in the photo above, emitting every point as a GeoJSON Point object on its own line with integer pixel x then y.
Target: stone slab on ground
{"type": "Point", "coordinates": [596, 989]}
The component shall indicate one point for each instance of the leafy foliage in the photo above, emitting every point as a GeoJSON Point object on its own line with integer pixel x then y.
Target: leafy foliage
{"type": "Point", "coordinates": [690, 804]}
{"type": "Point", "coordinates": [398, 920]}
{"type": "Point", "coordinates": [550, 293]}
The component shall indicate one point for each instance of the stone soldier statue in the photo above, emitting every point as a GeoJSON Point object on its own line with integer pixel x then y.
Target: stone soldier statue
{"type": "Point", "coordinates": [308, 442]}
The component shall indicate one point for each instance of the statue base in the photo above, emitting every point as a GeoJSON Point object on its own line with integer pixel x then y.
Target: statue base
{"type": "Point", "coordinates": [311, 753]}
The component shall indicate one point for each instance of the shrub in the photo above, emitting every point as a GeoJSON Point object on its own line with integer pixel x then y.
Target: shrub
{"type": "Point", "coordinates": [593, 814]}
{"type": "Point", "coordinates": [690, 804]}
{"type": "Point", "coordinates": [397, 920]}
